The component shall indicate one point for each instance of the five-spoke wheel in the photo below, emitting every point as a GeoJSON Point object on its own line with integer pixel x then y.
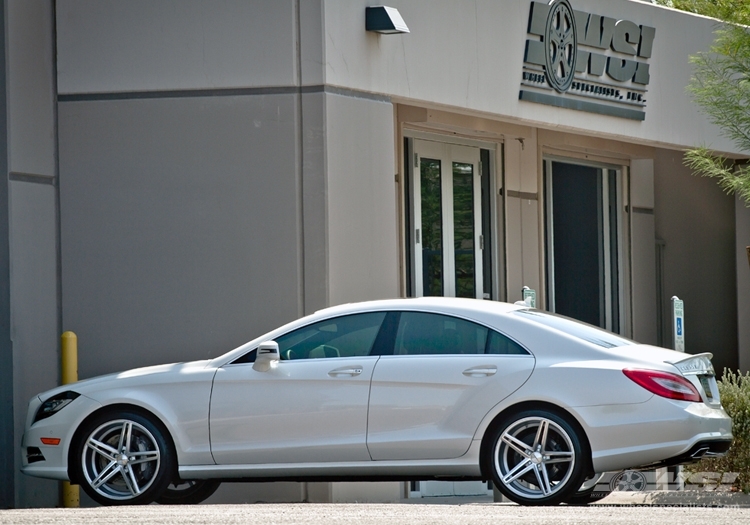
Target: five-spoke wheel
{"type": "Point", "coordinates": [124, 458]}
{"type": "Point", "coordinates": [536, 458]}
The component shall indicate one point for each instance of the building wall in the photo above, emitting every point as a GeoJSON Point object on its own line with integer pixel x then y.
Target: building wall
{"type": "Point", "coordinates": [33, 221]}
{"type": "Point", "coordinates": [225, 166]}
{"type": "Point", "coordinates": [696, 220]}
{"type": "Point", "coordinates": [742, 225]}
{"type": "Point", "coordinates": [178, 226]}
{"type": "Point", "coordinates": [362, 216]}
{"type": "Point", "coordinates": [481, 48]}
{"type": "Point", "coordinates": [140, 45]}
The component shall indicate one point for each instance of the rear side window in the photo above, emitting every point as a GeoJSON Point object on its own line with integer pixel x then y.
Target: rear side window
{"type": "Point", "coordinates": [422, 333]}
{"type": "Point", "coordinates": [499, 344]}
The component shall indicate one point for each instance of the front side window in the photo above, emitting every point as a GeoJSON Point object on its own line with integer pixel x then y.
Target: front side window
{"type": "Point", "coordinates": [348, 336]}
{"type": "Point", "coordinates": [422, 333]}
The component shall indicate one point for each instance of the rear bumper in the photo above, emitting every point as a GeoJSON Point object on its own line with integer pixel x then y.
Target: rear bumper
{"type": "Point", "coordinates": [658, 432]}
{"type": "Point", "coordinates": [703, 449]}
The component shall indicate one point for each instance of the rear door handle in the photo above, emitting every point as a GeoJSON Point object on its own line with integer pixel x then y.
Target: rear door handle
{"type": "Point", "coordinates": [481, 371]}
{"type": "Point", "coordinates": [346, 371]}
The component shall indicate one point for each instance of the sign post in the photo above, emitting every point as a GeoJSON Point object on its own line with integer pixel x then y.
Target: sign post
{"type": "Point", "coordinates": [529, 296]}
{"type": "Point", "coordinates": [678, 324]}
{"type": "Point", "coordinates": [678, 331]}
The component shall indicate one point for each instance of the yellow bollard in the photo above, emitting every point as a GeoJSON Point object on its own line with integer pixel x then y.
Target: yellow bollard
{"type": "Point", "coordinates": [69, 374]}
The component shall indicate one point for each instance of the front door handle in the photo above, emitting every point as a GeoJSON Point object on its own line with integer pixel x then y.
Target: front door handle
{"type": "Point", "coordinates": [481, 371]}
{"type": "Point", "coordinates": [346, 371]}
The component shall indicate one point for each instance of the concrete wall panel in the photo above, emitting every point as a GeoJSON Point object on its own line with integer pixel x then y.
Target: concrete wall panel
{"type": "Point", "coordinates": [742, 223]}
{"type": "Point", "coordinates": [314, 182]}
{"type": "Point", "coordinates": [31, 88]}
{"type": "Point", "coordinates": [643, 252]}
{"type": "Point", "coordinates": [697, 222]}
{"type": "Point", "coordinates": [643, 257]}
{"type": "Point", "coordinates": [179, 226]}
{"type": "Point", "coordinates": [33, 288]}
{"type": "Point", "coordinates": [362, 216]}
{"type": "Point", "coordinates": [154, 45]}
{"type": "Point", "coordinates": [32, 220]}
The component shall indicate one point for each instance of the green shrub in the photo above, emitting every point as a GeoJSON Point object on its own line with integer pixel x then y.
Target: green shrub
{"type": "Point", "coordinates": [734, 389]}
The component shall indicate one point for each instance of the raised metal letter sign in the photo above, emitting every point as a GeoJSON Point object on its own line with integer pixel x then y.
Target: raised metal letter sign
{"type": "Point", "coordinates": [587, 62]}
{"type": "Point", "coordinates": [561, 45]}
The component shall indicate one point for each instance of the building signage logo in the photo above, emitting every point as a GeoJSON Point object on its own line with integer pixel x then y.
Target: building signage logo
{"type": "Point", "coordinates": [587, 62]}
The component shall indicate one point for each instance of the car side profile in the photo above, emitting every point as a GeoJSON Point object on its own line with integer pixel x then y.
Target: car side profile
{"type": "Point", "coordinates": [402, 389]}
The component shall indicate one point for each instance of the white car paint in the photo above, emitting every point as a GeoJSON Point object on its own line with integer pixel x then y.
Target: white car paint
{"type": "Point", "coordinates": [393, 416]}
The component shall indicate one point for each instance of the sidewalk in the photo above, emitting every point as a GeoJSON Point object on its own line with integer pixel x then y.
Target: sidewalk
{"type": "Point", "coordinates": [682, 498]}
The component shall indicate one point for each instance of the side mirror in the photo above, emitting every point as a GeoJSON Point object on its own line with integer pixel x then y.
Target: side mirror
{"type": "Point", "coordinates": [267, 356]}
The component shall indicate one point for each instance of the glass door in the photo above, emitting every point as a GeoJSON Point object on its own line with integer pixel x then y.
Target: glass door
{"type": "Point", "coordinates": [447, 219]}
{"type": "Point", "coordinates": [583, 242]}
{"type": "Point", "coordinates": [448, 245]}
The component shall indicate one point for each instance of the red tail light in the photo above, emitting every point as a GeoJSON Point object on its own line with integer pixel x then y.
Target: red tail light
{"type": "Point", "coordinates": [664, 384]}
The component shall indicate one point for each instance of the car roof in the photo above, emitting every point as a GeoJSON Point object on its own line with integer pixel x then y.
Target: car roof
{"type": "Point", "coordinates": [443, 304]}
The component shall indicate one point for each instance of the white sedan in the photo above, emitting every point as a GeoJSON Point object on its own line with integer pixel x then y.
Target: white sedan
{"type": "Point", "coordinates": [404, 389]}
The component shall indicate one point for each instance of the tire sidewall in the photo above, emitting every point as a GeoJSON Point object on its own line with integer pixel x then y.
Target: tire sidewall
{"type": "Point", "coordinates": [167, 465]}
{"type": "Point", "coordinates": [579, 468]}
{"type": "Point", "coordinates": [192, 495]}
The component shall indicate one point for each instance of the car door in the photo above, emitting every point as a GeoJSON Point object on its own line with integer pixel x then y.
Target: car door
{"type": "Point", "coordinates": [311, 407]}
{"type": "Point", "coordinates": [428, 398]}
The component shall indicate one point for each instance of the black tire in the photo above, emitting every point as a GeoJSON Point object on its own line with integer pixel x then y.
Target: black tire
{"type": "Point", "coordinates": [536, 457]}
{"type": "Point", "coordinates": [584, 497]}
{"type": "Point", "coordinates": [188, 492]}
{"type": "Point", "coordinates": [590, 492]}
{"type": "Point", "coordinates": [123, 458]}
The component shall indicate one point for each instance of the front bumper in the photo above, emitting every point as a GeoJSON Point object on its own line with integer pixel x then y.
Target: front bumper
{"type": "Point", "coordinates": [51, 461]}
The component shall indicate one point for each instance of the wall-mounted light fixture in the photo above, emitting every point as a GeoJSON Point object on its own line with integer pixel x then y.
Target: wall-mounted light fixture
{"type": "Point", "coordinates": [384, 19]}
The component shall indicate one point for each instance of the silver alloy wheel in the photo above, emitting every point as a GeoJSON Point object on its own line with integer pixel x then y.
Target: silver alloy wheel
{"type": "Point", "coordinates": [534, 457]}
{"type": "Point", "coordinates": [120, 459]}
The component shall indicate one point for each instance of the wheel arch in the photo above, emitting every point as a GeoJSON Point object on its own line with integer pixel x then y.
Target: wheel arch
{"type": "Point", "coordinates": [486, 445]}
{"type": "Point", "coordinates": [74, 471]}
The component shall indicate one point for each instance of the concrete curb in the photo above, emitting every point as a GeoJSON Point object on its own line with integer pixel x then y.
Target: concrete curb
{"type": "Point", "coordinates": [674, 498]}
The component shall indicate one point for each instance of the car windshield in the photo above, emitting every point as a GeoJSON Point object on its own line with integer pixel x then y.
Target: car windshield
{"type": "Point", "coordinates": [578, 329]}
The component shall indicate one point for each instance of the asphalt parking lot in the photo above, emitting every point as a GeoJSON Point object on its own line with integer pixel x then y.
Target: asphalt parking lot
{"type": "Point", "coordinates": [372, 514]}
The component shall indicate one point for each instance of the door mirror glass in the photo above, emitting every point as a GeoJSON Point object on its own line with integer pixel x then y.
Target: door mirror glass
{"type": "Point", "coordinates": [267, 356]}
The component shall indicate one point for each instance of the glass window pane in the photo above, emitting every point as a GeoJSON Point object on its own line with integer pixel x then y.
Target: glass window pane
{"type": "Point", "coordinates": [578, 329]}
{"type": "Point", "coordinates": [463, 229]}
{"type": "Point", "coordinates": [432, 227]}
{"type": "Point", "coordinates": [423, 333]}
{"type": "Point", "coordinates": [499, 344]}
{"type": "Point", "coordinates": [348, 336]}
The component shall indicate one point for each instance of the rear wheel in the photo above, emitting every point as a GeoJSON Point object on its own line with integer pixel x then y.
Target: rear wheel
{"type": "Point", "coordinates": [123, 458]}
{"type": "Point", "coordinates": [536, 458]}
{"type": "Point", "coordinates": [588, 492]}
{"type": "Point", "coordinates": [188, 492]}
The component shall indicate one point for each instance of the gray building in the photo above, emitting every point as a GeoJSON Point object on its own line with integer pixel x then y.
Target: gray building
{"type": "Point", "coordinates": [183, 175]}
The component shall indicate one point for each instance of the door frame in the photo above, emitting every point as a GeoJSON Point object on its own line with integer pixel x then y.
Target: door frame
{"type": "Point", "coordinates": [491, 211]}
{"type": "Point", "coordinates": [622, 231]}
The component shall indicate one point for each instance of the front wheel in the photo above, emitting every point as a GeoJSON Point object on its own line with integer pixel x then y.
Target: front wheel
{"type": "Point", "coordinates": [123, 458]}
{"type": "Point", "coordinates": [536, 458]}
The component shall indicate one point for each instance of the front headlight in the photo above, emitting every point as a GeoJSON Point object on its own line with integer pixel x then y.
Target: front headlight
{"type": "Point", "coordinates": [54, 404]}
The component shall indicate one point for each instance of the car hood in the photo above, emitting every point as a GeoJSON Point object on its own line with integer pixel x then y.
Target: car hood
{"type": "Point", "coordinates": [138, 376]}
